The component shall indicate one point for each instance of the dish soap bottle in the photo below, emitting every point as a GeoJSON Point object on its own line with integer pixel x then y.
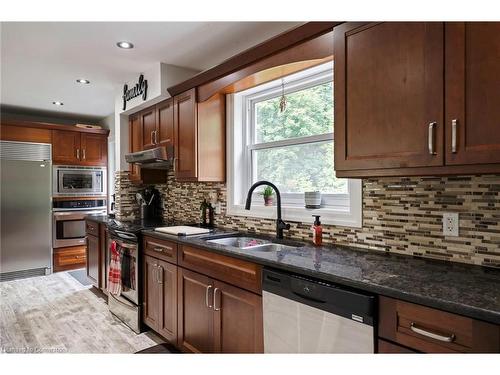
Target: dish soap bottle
{"type": "Point", "coordinates": [317, 231]}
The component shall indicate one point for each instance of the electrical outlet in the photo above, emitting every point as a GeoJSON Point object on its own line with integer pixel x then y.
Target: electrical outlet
{"type": "Point", "coordinates": [218, 208]}
{"type": "Point", "coordinates": [450, 224]}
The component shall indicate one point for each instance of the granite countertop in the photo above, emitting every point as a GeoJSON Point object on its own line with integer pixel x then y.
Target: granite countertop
{"type": "Point", "coordinates": [99, 218]}
{"type": "Point", "coordinates": [468, 290]}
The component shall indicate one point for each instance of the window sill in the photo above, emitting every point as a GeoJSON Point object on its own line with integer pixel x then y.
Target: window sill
{"type": "Point", "coordinates": [329, 216]}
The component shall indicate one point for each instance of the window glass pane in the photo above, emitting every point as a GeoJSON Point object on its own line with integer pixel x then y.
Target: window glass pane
{"type": "Point", "coordinates": [308, 112]}
{"type": "Point", "coordinates": [299, 168]}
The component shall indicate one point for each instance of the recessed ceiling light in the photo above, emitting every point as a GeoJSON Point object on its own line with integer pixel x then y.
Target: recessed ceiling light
{"type": "Point", "coordinates": [83, 81]}
{"type": "Point", "coordinates": [125, 45]}
{"type": "Point", "coordinates": [58, 103]}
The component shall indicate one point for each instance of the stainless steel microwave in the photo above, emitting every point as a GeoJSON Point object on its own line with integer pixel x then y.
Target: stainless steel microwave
{"type": "Point", "coordinates": [78, 181]}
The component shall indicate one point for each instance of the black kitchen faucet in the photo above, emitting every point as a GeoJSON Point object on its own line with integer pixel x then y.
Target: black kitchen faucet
{"type": "Point", "coordinates": [280, 224]}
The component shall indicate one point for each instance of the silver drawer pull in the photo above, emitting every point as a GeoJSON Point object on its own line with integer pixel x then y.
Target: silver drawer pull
{"type": "Point", "coordinates": [431, 138]}
{"type": "Point", "coordinates": [206, 296]}
{"type": "Point", "coordinates": [431, 335]}
{"type": "Point", "coordinates": [454, 124]}
{"type": "Point", "coordinates": [159, 249]}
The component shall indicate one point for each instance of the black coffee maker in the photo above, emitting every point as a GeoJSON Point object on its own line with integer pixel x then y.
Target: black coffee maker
{"type": "Point", "coordinates": [149, 200]}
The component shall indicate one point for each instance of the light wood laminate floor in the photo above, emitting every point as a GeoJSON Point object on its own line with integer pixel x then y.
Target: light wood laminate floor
{"type": "Point", "coordinates": [57, 314]}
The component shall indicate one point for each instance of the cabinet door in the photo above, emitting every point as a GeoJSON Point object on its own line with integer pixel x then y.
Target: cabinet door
{"type": "Point", "coordinates": [135, 144]}
{"type": "Point", "coordinates": [185, 127]}
{"type": "Point", "coordinates": [195, 315]}
{"type": "Point", "coordinates": [93, 259]}
{"type": "Point", "coordinates": [151, 293]}
{"type": "Point", "coordinates": [105, 244]}
{"type": "Point", "coordinates": [165, 123]}
{"type": "Point", "coordinates": [167, 323]}
{"type": "Point", "coordinates": [472, 78]}
{"type": "Point", "coordinates": [388, 91]}
{"type": "Point", "coordinates": [148, 124]}
{"type": "Point", "coordinates": [238, 326]}
{"type": "Point", "coordinates": [94, 149]}
{"type": "Point", "coordinates": [66, 147]}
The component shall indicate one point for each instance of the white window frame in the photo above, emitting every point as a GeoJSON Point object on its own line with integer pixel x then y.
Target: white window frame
{"type": "Point", "coordinates": [339, 209]}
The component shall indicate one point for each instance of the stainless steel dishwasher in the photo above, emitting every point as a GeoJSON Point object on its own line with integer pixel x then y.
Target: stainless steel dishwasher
{"type": "Point", "coordinates": [303, 315]}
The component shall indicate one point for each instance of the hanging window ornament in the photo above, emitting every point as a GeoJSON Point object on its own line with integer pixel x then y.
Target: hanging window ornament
{"type": "Point", "coordinates": [283, 97]}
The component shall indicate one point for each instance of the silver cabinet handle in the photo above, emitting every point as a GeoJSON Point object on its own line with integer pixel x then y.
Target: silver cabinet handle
{"type": "Point", "coordinates": [215, 299]}
{"type": "Point", "coordinates": [78, 153]}
{"type": "Point", "coordinates": [159, 249]}
{"type": "Point", "coordinates": [454, 124]}
{"type": "Point", "coordinates": [431, 138]}
{"type": "Point", "coordinates": [206, 296]}
{"type": "Point", "coordinates": [160, 275]}
{"type": "Point", "coordinates": [431, 335]}
{"type": "Point", "coordinates": [83, 154]}
{"type": "Point", "coordinates": [155, 272]}
{"type": "Point", "coordinates": [156, 137]}
{"type": "Point", "coordinates": [152, 139]}
{"type": "Point", "coordinates": [175, 164]}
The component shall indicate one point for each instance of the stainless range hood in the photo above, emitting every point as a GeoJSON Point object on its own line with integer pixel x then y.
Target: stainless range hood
{"type": "Point", "coordinates": [155, 158]}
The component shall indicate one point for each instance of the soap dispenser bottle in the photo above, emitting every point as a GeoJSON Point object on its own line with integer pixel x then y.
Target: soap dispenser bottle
{"type": "Point", "coordinates": [317, 231]}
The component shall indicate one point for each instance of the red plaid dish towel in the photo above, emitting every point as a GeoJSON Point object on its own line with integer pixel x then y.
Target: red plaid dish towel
{"type": "Point", "coordinates": [114, 276]}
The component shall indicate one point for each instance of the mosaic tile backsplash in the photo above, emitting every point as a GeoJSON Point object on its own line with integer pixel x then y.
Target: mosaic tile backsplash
{"type": "Point", "coordinates": [400, 215]}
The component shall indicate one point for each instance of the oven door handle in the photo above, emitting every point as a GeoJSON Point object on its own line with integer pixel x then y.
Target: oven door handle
{"type": "Point", "coordinates": [125, 236]}
{"type": "Point", "coordinates": [76, 214]}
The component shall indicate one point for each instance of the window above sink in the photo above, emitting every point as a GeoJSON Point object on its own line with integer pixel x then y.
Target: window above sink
{"type": "Point", "coordinates": [292, 148]}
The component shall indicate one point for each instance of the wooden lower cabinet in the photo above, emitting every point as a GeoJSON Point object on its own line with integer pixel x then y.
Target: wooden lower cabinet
{"type": "Point", "coordinates": [93, 260]}
{"type": "Point", "coordinates": [69, 258]}
{"type": "Point", "coordinates": [386, 347]}
{"type": "Point", "coordinates": [195, 313]}
{"type": "Point", "coordinates": [151, 293]}
{"type": "Point", "coordinates": [159, 303]}
{"type": "Point", "coordinates": [238, 326]}
{"type": "Point", "coordinates": [215, 317]}
{"type": "Point", "coordinates": [96, 253]}
{"type": "Point", "coordinates": [428, 330]}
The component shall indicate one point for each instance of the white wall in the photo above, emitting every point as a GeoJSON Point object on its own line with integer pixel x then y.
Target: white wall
{"type": "Point", "coordinates": [159, 78]}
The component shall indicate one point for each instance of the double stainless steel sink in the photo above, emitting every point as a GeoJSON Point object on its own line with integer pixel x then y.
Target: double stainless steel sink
{"type": "Point", "coordinates": [251, 243]}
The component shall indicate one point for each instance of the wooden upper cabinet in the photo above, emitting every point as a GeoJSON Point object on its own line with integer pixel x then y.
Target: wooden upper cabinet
{"type": "Point", "coordinates": [185, 128]}
{"type": "Point", "coordinates": [388, 95]}
{"type": "Point", "coordinates": [66, 147]}
{"type": "Point", "coordinates": [77, 148]}
{"type": "Point", "coordinates": [94, 149]}
{"type": "Point", "coordinates": [147, 118]}
{"type": "Point", "coordinates": [135, 144]}
{"type": "Point", "coordinates": [165, 123]}
{"type": "Point", "coordinates": [472, 82]}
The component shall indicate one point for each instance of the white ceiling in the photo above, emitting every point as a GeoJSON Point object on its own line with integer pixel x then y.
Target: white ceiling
{"type": "Point", "coordinates": [40, 62]}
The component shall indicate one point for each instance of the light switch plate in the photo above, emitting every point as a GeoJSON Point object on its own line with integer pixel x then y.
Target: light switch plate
{"type": "Point", "coordinates": [450, 224]}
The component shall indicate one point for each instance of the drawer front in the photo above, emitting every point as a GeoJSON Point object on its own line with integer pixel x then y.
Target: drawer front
{"type": "Point", "coordinates": [161, 249]}
{"type": "Point", "coordinates": [234, 271]}
{"type": "Point", "coordinates": [70, 256]}
{"type": "Point", "coordinates": [92, 228]}
{"type": "Point", "coordinates": [386, 347]}
{"type": "Point", "coordinates": [434, 331]}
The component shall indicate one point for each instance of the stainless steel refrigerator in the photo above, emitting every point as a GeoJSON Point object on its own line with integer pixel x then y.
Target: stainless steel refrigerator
{"type": "Point", "coordinates": [26, 221]}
